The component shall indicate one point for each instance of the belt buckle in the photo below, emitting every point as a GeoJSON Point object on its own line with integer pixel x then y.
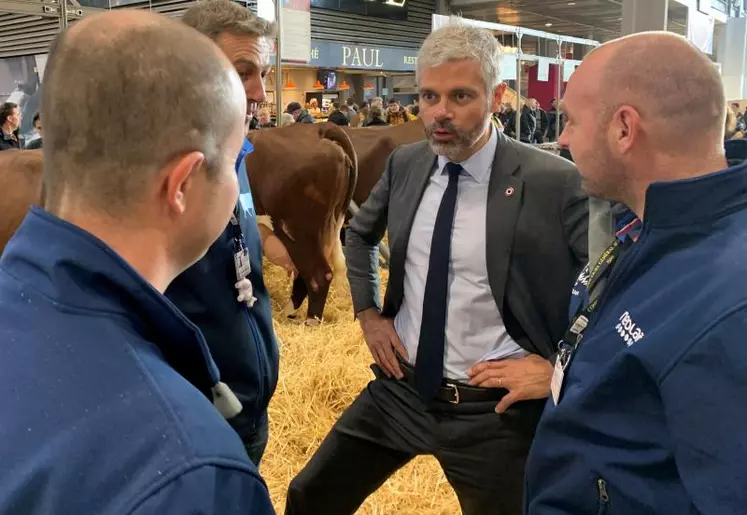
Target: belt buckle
{"type": "Point", "coordinates": [456, 393]}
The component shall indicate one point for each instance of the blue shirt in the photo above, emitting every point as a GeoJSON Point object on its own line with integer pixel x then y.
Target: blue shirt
{"type": "Point", "coordinates": [106, 390]}
{"type": "Point", "coordinates": [474, 326]}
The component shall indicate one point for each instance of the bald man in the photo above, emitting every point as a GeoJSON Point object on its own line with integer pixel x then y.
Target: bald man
{"type": "Point", "coordinates": [108, 390]}
{"type": "Point", "coordinates": [648, 407]}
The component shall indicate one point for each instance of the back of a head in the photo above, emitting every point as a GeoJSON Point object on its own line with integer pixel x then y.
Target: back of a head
{"type": "Point", "coordinates": [675, 88]}
{"type": "Point", "coordinates": [376, 112]}
{"type": "Point", "coordinates": [287, 119]}
{"type": "Point", "coordinates": [124, 94]}
{"type": "Point", "coordinates": [457, 42]}
{"type": "Point", "coordinates": [215, 17]}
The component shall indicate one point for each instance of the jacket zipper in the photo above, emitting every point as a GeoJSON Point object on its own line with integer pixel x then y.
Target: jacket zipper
{"type": "Point", "coordinates": [604, 496]}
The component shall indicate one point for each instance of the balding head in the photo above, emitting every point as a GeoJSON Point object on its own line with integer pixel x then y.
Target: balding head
{"type": "Point", "coordinates": [144, 118]}
{"type": "Point", "coordinates": [637, 101]}
{"type": "Point", "coordinates": [124, 93]}
{"type": "Point", "coordinates": [670, 82]}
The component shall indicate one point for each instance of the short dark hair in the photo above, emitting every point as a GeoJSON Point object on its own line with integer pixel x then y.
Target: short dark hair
{"type": "Point", "coordinates": [35, 119]}
{"type": "Point", "coordinates": [163, 90]}
{"type": "Point", "coordinates": [350, 101]}
{"type": "Point", "coordinates": [336, 105]}
{"type": "Point", "coordinates": [6, 111]}
{"type": "Point", "coordinates": [215, 17]}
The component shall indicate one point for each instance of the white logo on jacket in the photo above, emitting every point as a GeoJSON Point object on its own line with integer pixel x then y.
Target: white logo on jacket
{"type": "Point", "coordinates": [629, 330]}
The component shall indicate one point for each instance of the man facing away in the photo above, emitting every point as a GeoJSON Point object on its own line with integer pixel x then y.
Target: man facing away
{"type": "Point", "coordinates": [107, 386]}
{"type": "Point", "coordinates": [648, 410]}
{"type": "Point", "coordinates": [239, 332]}
{"type": "Point", "coordinates": [487, 236]}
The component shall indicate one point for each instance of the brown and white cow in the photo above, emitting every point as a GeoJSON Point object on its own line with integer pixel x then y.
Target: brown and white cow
{"type": "Point", "coordinates": [303, 177]}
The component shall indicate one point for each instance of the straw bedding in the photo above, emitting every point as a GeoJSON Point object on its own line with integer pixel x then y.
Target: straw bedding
{"type": "Point", "coordinates": [322, 370]}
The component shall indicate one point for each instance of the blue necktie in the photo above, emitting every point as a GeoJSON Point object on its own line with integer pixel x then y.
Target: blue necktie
{"type": "Point", "coordinates": [429, 364]}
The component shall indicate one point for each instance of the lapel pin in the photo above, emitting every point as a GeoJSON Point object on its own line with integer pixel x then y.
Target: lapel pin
{"type": "Point", "coordinates": [510, 191]}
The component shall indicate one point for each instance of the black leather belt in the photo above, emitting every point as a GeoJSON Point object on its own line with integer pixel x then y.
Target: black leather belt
{"type": "Point", "coordinates": [455, 392]}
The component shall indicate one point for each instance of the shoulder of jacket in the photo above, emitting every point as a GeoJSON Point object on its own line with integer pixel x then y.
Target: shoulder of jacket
{"type": "Point", "coordinates": [542, 162]}
{"type": "Point", "coordinates": [403, 155]}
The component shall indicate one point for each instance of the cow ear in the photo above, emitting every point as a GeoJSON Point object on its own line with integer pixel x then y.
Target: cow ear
{"type": "Point", "coordinates": [179, 179]}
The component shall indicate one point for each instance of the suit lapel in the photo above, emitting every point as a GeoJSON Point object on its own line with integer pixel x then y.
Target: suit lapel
{"type": "Point", "coordinates": [417, 177]}
{"type": "Point", "coordinates": [504, 204]}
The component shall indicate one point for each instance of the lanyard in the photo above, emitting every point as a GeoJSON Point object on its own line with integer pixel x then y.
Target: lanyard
{"type": "Point", "coordinates": [238, 236]}
{"type": "Point", "coordinates": [601, 269]}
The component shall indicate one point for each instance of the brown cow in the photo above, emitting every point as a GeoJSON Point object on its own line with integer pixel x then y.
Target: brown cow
{"type": "Point", "coordinates": [20, 188]}
{"type": "Point", "coordinates": [303, 177]}
{"type": "Point", "coordinates": [373, 146]}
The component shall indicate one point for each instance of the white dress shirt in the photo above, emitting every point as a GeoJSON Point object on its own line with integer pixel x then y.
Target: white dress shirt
{"type": "Point", "coordinates": [474, 326]}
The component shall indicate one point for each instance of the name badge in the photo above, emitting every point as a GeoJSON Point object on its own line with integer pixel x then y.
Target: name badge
{"type": "Point", "coordinates": [556, 383]}
{"type": "Point", "coordinates": [241, 263]}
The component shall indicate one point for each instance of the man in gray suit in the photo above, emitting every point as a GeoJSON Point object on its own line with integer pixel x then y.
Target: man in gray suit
{"type": "Point", "coordinates": [487, 237]}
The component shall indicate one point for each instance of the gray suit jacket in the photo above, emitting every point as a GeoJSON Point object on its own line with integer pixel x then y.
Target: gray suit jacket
{"type": "Point", "coordinates": [537, 220]}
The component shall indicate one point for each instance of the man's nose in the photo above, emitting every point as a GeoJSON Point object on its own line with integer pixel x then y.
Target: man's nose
{"type": "Point", "coordinates": [255, 90]}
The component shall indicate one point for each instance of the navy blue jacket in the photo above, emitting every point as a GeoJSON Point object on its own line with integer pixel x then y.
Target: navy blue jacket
{"type": "Point", "coordinates": [241, 340]}
{"type": "Point", "coordinates": [652, 413]}
{"type": "Point", "coordinates": [105, 388]}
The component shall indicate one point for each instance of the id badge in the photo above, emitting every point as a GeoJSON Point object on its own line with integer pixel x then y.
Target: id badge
{"type": "Point", "coordinates": [241, 263]}
{"type": "Point", "coordinates": [556, 383]}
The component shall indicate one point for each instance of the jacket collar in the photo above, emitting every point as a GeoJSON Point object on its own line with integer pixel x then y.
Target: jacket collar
{"type": "Point", "coordinates": [692, 201]}
{"type": "Point", "coordinates": [76, 270]}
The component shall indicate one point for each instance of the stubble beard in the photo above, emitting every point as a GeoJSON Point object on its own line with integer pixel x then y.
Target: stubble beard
{"type": "Point", "coordinates": [464, 140]}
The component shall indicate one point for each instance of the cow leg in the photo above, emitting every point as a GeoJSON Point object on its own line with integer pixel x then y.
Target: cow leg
{"type": "Point", "coordinates": [337, 257]}
{"type": "Point", "coordinates": [298, 295]}
{"type": "Point", "coordinates": [318, 299]}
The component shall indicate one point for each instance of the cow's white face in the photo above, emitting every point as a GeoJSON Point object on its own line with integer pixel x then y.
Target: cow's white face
{"type": "Point", "coordinates": [250, 56]}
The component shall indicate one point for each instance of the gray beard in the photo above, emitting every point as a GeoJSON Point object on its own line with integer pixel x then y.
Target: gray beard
{"type": "Point", "coordinates": [451, 150]}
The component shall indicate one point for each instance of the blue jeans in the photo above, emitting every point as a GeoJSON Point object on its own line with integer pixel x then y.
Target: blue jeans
{"type": "Point", "coordinates": [256, 442]}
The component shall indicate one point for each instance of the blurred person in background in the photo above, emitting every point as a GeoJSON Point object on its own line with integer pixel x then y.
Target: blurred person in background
{"type": "Point", "coordinates": [286, 119]}
{"type": "Point", "coordinates": [340, 116]}
{"type": "Point", "coordinates": [554, 116]}
{"type": "Point", "coordinates": [375, 117]}
{"type": "Point", "coordinates": [264, 119]}
{"type": "Point", "coordinates": [10, 120]}
{"type": "Point", "coordinates": [395, 115]}
{"type": "Point", "coordinates": [360, 117]}
{"type": "Point", "coordinates": [37, 141]}
{"type": "Point", "coordinates": [300, 114]}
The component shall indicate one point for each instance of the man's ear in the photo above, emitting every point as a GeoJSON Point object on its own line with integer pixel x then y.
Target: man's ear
{"type": "Point", "coordinates": [498, 97]}
{"type": "Point", "coordinates": [626, 125]}
{"type": "Point", "coordinates": [178, 179]}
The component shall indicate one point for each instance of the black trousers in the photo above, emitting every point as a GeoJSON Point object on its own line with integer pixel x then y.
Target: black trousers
{"type": "Point", "coordinates": [482, 453]}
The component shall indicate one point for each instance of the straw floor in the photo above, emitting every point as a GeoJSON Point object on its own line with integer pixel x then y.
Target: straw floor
{"type": "Point", "coordinates": [322, 369]}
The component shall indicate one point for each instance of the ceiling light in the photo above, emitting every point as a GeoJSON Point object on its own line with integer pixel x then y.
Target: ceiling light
{"type": "Point", "coordinates": [548, 24]}
{"type": "Point", "coordinates": [571, 3]}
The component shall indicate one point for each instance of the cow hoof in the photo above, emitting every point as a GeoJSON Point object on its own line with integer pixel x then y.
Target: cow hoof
{"type": "Point", "coordinates": [289, 311]}
{"type": "Point", "coordinates": [312, 322]}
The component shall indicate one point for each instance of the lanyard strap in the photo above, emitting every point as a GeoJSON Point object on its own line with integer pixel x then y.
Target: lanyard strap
{"type": "Point", "coordinates": [601, 269]}
{"type": "Point", "coordinates": [238, 235]}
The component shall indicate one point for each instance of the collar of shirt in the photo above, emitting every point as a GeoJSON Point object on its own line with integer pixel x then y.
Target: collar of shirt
{"type": "Point", "coordinates": [479, 164]}
{"type": "Point", "coordinates": [628, 224]}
